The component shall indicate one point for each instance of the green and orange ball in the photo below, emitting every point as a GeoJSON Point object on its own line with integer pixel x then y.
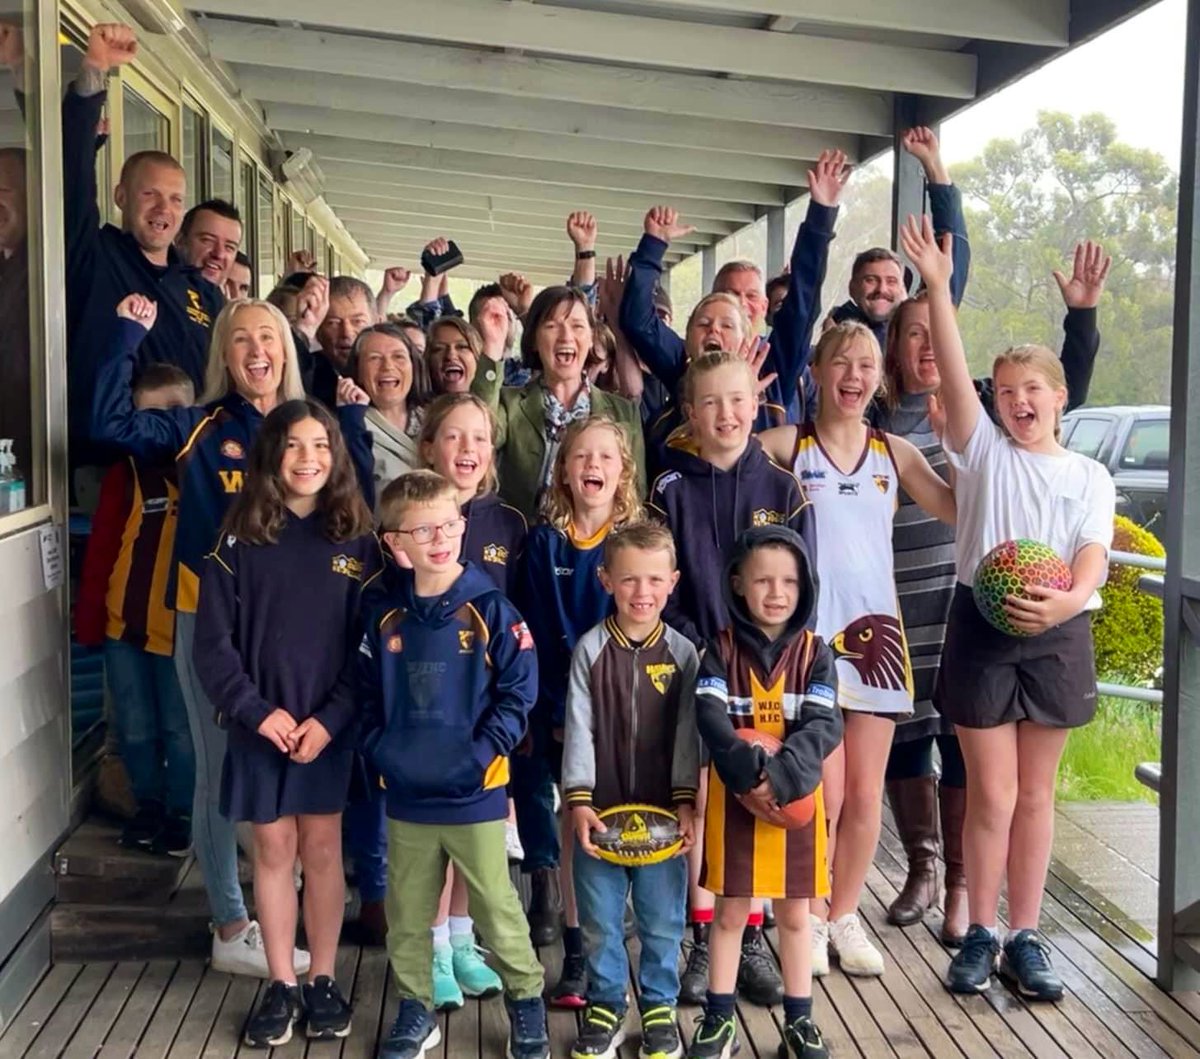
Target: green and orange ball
{"type": "Point", "coordinates": [1007, 569]}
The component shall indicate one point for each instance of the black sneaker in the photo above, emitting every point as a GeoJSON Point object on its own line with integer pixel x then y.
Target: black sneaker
{"type": "Point", "coordinates": [545, 907]}
{"type": "Point", "coordinates": [527, 1034]}
{"type": "Point", "coordinates": [414, 1033]}
{"type": "Point", "coordinates": [326, 1011]}
{"type": "Point", "coordinates": [571, 990]}
{"type": "Point", "coordinates": [602, 1034]}
{"type": "Point", "coordinates": [693, 982]}
{"type": "Point", "coordinates": [804, 1040]}
{"type": "Point", "coordinates": [1026, 961]}
{"type": "Point", "coordinates": [716, 1037]}
{"type": "Point", "coordinates": [278, 1011]}
{"type": "Point", "coordinates": [174, 838]}
{"type": "Point", "coordinates": [758, 978]}
{"type": "Point", "coordinates": [660, 1034]}
{"type": "Point", "coordinates": [139, 832]}
{"type": "Point", "coordinates": [971, 969]}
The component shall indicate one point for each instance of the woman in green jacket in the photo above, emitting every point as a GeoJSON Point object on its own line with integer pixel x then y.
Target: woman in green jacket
{"type": "Point", "coordinates": [556, 344]}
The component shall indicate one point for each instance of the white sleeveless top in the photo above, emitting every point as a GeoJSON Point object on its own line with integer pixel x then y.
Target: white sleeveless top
{"type": "Point", "coordinates": [858, 612]}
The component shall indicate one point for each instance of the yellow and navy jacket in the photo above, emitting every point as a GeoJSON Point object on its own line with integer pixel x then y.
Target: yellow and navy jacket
{"type": "Point", "coordinates": [278, 626]}
{"type": "Point", "coordinates": [631, 720]}
{"type": "Point", "coordinates": [706, 509]}
{"type": "Point", "coordinates": [495, 540]}
{"type": "Point", "coordinates": [211, 446]}
{"type": "Point", "coordinates": [786, 687]}
{"type": "Point", "coordinates": [563, 598]}
{"type": "Point", "coordinates": [445, 686]}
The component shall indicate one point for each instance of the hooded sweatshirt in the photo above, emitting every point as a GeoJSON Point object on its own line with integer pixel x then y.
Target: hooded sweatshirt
{"type": "Point", "coordinates": [786, 687]}
{"type": "Point", "coordinates": [495, 540]}
{"type": "Point", "coordinates": [445, 684]}
{"type": "Point", "coordinates": [706, 509]}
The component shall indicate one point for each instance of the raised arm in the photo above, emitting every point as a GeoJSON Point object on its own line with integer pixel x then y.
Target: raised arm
{"type": "Point", "coordinates": [945, 203]}
{"type": "Point", "coordinates": [936, 265]}
{"type": "Point", "coordinates": [1081, 338]}
{"type": "Point", "coordinates": [395, 279]}
{"type": "Point", "coordinates": [581, 230]}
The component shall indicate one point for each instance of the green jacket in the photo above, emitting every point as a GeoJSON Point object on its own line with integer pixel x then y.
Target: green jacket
{"type": "Point", "coordinates": [520, 445]}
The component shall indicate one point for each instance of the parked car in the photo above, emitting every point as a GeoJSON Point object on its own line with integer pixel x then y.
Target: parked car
{"type": "Point", "coordinates": [1133, 442]}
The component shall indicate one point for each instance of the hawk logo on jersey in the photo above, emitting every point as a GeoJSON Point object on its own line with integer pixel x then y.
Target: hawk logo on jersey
{"type": "Point", "coordinates": [395, 644]}
{"type": "Point", "coordinates": [466, 641]}
{"type": "Point", "coordinates": [766, 517]}
{"type": "Point", "coordinates": [495, 553]}
{"type": "Point", "coordinates": [232, 449]}
{"type": "Point", "coordinates": [847, 488]}
{"type": "Point", "coordinates": [348, 566]}
{"type": "Point", "coordinates": [874, 645]}
{"type": "Point", "coordinates": [524, 640]}
{"type": "Point", "coordinates": [882, 481]}
{"type": "Point", "coordinates": [660, 676]}
{"type": "Point", "coordinates": [195, 309]}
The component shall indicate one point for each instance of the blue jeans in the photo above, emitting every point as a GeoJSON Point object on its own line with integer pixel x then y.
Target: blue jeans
{"type": "Point", "coordinates": [152, 725]}
{"type": "Point", "coordinates": [659, 895]}
{"type": "Point", "coordinates": [532, 790]}
{"type": "Point", "coordinates": [364, 829]}
{"type": "Point", "coordinates": [213, 837]}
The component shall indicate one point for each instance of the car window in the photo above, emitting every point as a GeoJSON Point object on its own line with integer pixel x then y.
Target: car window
{"type": "Point", "coordinates": [1148, 446]}
{"type": "Point", "coordinates": [1088, 436]}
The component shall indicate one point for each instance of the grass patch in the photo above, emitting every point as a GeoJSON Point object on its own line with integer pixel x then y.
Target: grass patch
{"type": "Point", "coordinates": [1099, 759]}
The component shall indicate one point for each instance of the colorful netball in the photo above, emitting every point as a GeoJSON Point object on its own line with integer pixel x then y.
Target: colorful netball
{"type": "Point", "coordinates": [1007, 569]}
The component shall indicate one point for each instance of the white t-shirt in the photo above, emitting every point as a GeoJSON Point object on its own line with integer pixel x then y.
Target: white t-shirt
{"type": "Point", "coordinates": [1004, 492]}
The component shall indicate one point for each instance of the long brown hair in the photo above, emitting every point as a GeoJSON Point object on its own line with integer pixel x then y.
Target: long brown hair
{"type": "Point", "coordinates": [260, 512]}
{"type": "Point", "coordinates": [892, 374]}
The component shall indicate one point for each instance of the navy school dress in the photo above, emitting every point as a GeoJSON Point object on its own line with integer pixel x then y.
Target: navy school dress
{"type": "Point", "coordinates": [278, 627]}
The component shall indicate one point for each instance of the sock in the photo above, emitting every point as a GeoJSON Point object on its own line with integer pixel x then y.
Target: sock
{"type": "Point", "coordinates": [462, 926]}
{"type": "Point", "coordinates": [1011, 935]}
{"type": "Point", "coordinates": [796, 1007]}
{"type": "Point", "coordinates": [700, 933]}
{"type": "Point", "coordinates": [573, 941]}
{"type": "Point", "coordinates": [441, 935]}
{"type": "Point", "coordinates": [720, 1004]}
{"type": "Point", "coordinates": [702, 915]}
{"type": "Point", "coordinates": [754, 919]}
{"type": "Point", "coordinates": [993, 931]}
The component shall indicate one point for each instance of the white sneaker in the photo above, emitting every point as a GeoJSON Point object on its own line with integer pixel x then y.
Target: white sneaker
{"type": "Point", "coordinates": [820, 946]}
{"type": "Point", "coordinates": [854, 951]}
{"type": "Point", "coordinates": [512, 843]}
{"type": "Point", "coordinates": [244, 954]}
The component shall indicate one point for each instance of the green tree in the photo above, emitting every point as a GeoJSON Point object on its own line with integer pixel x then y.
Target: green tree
{"type": "Point", "coordinates": [1029, 201]}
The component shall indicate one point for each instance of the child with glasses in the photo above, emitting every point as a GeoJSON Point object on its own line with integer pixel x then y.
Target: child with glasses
{"type": "Point", "coordinates": [447, 677]}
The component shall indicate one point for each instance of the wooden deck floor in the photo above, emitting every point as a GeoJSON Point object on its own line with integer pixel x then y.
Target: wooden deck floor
{"type": "Point", "coordinates": [181, 1010]}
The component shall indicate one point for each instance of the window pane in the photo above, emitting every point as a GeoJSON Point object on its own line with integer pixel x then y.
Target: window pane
{"type": "Point", "coordinates": [1148, 446]}
{"type": "Point", "coordinates": [145, 129]}
{"type": "Point", "coordinates": [246, 203]}
{"type": "Point", "coordinates": [193, 154]}
{"type": "Point", "coordinates": [266, 236]}
{"type": "Point", "coordinates": [299, 232]}
{"type": "Point", "coordinates": [222, 165]}
{"type": "Point", "coordinates": [1088, 436]}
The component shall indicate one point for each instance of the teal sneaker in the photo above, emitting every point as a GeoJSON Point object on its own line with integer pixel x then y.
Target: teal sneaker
{"type": "Point", "coordinates": [474, 977]}
{"type": "Point", "coordinates": [446, 994]}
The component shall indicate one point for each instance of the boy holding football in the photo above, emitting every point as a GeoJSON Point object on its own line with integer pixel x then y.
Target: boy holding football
{"type": "Point", "coordinates": [631, 742]}
{"type": "Point", "coordinates": [766, 674]}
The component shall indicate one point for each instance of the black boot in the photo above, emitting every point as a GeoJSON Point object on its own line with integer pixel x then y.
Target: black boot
{"type": "Point", "coordinates": [758, 978]}
{"type": "Point", "coordinates": [914, 805]}
{"type": "Point", "coordinates": [545, 907]}
{"type": "Point", "coordinates": [693, 983]}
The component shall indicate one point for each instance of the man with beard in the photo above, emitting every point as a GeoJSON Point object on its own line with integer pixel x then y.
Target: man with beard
{"type": "Point", "coordinates": [209, 239]}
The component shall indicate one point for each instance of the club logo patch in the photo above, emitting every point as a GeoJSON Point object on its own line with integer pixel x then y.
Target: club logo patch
{"type": "Point", "coordinates": [495, 553]}
{"type": "Point", "coordinates": [466, 641]}
{"type": "Point", "coordinates": [395, 644]}
{"type": "Point", "coordinates": [195, 309]}
{"type": "Point", "coordinates": [766, 517]}
{"type": "Point", "coordinates": [524, 639]}
{"type": "Point", "coordinates": [660, 676]}
{"type": "Point", "coordinates": [232, 449]}
{"type": "Point", "coordinates": [348, 566]}
{"type": "Point", "coordinates": [882, 481]}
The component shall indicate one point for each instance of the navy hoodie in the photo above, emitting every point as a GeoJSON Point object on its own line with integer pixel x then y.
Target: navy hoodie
{"type": "Point", "coordinates": [796, 669]}
{"type": "Point", "coordinates": [707, 509]}
{"type": "Point", "coordinates": [446, 684]}
{"type": "Point", "coordinates": [495, 540]}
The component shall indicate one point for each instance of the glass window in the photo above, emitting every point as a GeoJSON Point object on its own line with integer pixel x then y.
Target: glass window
{"type": "Point", "coordinates": [1088, 436]}
{"type": "Point", "coordinates": [193, 154]}
{"type": "Point", "coordinates": [1148, 447]}
{"type": "Point", "coordinates": [23, 435]}
{"type": "Point", "coordinates": [319, 253]}
{"type": "Point", "coordinates": [299, 232]}
{"type": "Point", "coordinates": [222, 165]}
{"type": "Point", "coordinates": [266, 235]}
{"type": "Point", "coordinates": [143, 127]}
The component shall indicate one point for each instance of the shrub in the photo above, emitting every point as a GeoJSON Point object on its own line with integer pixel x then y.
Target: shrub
{"type": "Point", "coordinates": [1128, 630]}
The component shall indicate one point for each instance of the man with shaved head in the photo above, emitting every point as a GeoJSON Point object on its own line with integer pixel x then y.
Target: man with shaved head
{"type": "Point", "coordinates": [106, 263]}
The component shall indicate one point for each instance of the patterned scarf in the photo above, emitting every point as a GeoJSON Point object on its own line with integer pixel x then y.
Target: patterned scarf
{"type": "Point", "coordinates": [558, 419]}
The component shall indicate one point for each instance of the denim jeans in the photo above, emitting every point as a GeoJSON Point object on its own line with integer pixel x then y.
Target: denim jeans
{"type": "Point", "coordinates": [364, 829]}
{"type": "Point", "coordinates": [152, 725]}
{"type": "Point", "coordinates": [659, 894]}
{"type": "Point", "coordinates": [532, 789]}
{"type": "Point", "coordinates": [213, 837]}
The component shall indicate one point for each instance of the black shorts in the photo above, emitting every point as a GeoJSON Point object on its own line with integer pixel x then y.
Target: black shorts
{"type": "Point", "coordinates": [988, 678]}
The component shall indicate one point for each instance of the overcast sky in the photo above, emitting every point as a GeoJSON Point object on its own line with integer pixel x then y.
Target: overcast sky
{"type": "Point", "coordinates": [1133, 73]}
